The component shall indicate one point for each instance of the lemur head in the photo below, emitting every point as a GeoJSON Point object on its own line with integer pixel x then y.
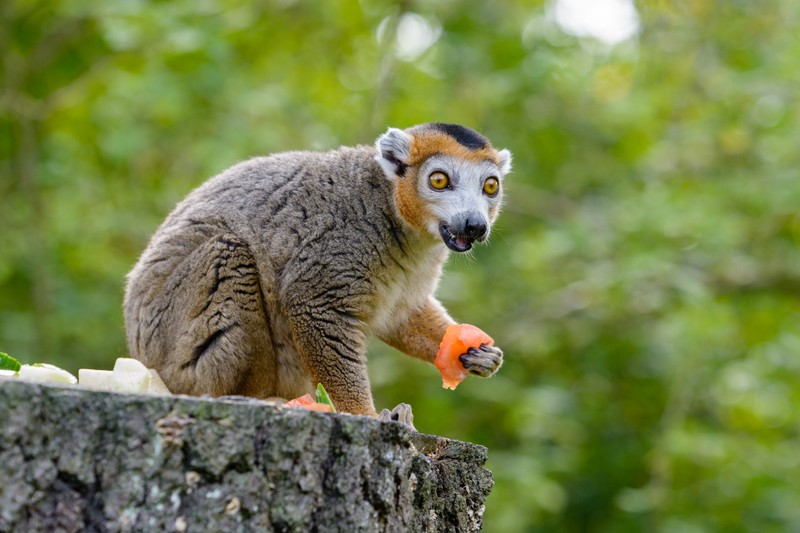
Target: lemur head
{"type": "Point", "coordinates": [448, 180]}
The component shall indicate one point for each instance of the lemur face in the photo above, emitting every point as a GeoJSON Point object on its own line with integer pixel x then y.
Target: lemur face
{"type": "Point", "coordinates": [449, 180]}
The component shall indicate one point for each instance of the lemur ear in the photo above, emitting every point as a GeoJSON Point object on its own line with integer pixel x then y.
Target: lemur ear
{"type": "Point", "coordinates": [505, 161]}
{"type": "Point", "coordinates": [394, 148]}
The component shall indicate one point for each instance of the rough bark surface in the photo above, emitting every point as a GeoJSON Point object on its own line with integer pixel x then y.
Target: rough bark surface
{"type": "Point", "coordinates": [77, 460]}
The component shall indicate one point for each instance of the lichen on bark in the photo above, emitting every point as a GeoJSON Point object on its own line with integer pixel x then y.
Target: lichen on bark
{"type": "Point", "coordinates": [81, 460]}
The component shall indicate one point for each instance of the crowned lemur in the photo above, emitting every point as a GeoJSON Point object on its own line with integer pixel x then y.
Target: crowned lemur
{"type": "Point", "coordinates": [267, 279]}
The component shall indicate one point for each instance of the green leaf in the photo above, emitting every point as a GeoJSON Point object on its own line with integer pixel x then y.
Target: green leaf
{"type": "Point", "coordinates": [322, 397]}
{"type": "Point", "coordinates": [9, 363]}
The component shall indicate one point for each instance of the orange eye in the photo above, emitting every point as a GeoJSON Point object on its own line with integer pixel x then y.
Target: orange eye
{"type": "Point", "coordinates": [491, 186]}
{"type": "Point", "coordinates": [439, 180]}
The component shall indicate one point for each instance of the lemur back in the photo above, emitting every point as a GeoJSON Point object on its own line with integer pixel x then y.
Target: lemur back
{"type": "Point", "coordinates": [268, 278]}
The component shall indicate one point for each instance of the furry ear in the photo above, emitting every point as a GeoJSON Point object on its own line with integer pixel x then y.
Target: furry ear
{"type": "Point", "coordinates": [505, 161]}
{"type": "Point", "coordinates": [394, 148]}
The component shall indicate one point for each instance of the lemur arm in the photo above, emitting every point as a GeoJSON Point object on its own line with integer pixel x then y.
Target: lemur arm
{"type": "Point", "coordinates": [420, 334]}
{"type": "Point", "coordinates": [332, 348]}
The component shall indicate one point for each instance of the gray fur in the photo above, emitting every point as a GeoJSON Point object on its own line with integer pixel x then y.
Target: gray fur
{"type": "Point", "coordinates": [268, 278]}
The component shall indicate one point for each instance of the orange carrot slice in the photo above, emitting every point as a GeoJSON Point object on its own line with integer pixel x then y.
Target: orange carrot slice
{"type": "Point", "coordinates": [457, 339]}
{"type": "Point", "coordinates": [308, 402]}
{"type": "Point", "coordinates": [302, 401]}
{"type": "Point", "coordinates": [316, 406]}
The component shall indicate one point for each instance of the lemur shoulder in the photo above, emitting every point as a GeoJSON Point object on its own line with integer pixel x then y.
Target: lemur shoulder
{"type": "Point", "coordinates": [268, 278]}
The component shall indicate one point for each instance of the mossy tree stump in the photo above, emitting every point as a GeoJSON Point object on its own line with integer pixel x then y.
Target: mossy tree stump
{"type": "Point", "coordinates": [80, 460]}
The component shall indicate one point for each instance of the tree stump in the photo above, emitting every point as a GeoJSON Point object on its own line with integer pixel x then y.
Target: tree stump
{"type": "Point", "coordinates": [78, 460]}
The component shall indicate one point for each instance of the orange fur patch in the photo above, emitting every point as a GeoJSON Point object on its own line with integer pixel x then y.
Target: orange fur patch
{"type": "Point", "coordinates": [429, 143]}
{"type": "Point", "coordinates": [411, 207]}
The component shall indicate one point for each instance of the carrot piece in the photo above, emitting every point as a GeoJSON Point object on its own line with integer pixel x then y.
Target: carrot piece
{"type": "Point", "coordinates": [316, 406]}
{"type": "Point", "coordinates": [303, 401]}
{"type": "Point", "coordinates": [308, 402]}
{"type": "Point", "coordinates": [457, 339]}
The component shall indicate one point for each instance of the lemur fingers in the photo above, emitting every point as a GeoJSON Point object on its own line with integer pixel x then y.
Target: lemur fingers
{"type": "Point", "coordinates": [483, 361]}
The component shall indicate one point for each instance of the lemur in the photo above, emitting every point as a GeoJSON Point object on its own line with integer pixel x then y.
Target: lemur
{"type": "Point", "coordinates": [268, 278]}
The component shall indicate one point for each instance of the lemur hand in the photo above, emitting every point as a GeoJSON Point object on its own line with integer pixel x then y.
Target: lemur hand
{"type": "Point", "coordinates": [483, 361]}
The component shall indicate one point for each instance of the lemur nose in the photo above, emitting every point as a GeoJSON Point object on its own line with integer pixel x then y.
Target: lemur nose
{"type": "Point", "coordinates": [475, 228]}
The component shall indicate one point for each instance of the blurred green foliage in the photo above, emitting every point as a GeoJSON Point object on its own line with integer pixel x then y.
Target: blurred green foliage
{"type": "Point", "coordinates": [644, 280]}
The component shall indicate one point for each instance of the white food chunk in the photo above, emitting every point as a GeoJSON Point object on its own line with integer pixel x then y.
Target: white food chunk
{"type": "Point", "coordinates": [130, 376]}
{"type": "Point", "coordinates": [157, 385]}
{"type": "Point", "coordinates": [47, 373]}
{"type": "Point", "coordinates": [95, 379]}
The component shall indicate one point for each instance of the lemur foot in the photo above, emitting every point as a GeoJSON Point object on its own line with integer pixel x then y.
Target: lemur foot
{"type": "Point", "coordinates": [402, 413]}
{"type": "Point", "coordinates": [483, 361]}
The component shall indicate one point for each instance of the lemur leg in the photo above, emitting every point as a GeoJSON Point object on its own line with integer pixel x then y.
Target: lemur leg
{"type": "Point", "coordinates": [226, 348]}
{"type": "Point", "coordinates": [211, 335]}
{"type": "Point", "coordinates": [332, 348]}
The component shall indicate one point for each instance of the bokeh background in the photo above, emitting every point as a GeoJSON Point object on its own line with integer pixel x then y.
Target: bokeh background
{"type": "Point", "coordinates": [644, 279]}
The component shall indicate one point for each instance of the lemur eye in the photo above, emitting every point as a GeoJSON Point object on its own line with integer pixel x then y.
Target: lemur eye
{"type": "Point", "coordinates": [490, 186]}
{"type": "Point", "coordinates": [439, 180]}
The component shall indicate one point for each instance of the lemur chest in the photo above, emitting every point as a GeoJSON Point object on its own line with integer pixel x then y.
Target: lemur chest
{"type": "Point", "coordinates": [404, 290]}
